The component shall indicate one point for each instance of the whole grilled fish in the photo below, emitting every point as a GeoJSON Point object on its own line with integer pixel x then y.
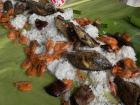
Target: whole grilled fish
{"type": "Point", "coordinates": [86, 60]}
{"type": "Point", "coordinates": [129, 93]}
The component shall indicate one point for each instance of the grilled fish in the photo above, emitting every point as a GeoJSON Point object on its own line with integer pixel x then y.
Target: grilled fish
{"type": "Point", "coordinates": [72, 31]}
{"type": "Point", "coordinates": [86, 60]}
{"type": "Point", "coordinates": [129, 93]}
{"type": "Point", "coordinates": [84, 37]}
{"type": "Point", "coordinates": [61, 25]}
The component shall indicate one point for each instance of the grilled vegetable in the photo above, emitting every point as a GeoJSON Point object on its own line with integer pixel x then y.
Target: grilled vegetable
{"type": "Point", "coordinates": [129, 93]}
{"type": "Point", "coordinates": [83, 96]}
{"type": "Point", "coordinates": [56, 89]}
{"type": "Point", "coordinates": [86, 60]}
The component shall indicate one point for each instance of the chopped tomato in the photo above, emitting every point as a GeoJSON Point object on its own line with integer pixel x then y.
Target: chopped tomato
{"type": "Point", "coordinates": [24, 86]}
{"type": "Point", "coordinates": [68, 83]}
{"type": "Point", "coordinates": [23, 40]}
{"type": "Point", "coordinates": [31, 71]}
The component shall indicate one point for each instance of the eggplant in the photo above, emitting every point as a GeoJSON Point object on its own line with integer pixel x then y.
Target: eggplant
{"type": "Point", "coordinates": [56, 88]}
{"type": "Point", "coordinates": [128, 92]}
{"type": "Point", "coordinates": [88, 60]}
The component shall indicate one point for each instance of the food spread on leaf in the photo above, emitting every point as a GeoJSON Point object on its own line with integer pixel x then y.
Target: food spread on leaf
{"type": "Point", "coordinates": [86, 65]}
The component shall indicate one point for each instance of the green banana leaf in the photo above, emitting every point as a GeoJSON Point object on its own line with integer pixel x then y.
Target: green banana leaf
{"type": "Point", "coordinates": [135, 20]}
{"type": "Point", "coordinates": [111, 12]}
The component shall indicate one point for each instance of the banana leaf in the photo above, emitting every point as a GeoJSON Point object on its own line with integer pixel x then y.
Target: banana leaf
{"type": "Point", "coordinates": [111, 12]}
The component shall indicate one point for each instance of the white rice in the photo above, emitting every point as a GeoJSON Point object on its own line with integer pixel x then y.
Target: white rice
{"type": "Point", "coordinates": [50, 30]}
{"type": "Point", "coordinates": [19, 21]}
{"type": "Point", "coordinates": [62, 69]}
{"type": "Point", "coordinates": [92, 30]}
{"type": "Point", "coordinates": [99, 87]}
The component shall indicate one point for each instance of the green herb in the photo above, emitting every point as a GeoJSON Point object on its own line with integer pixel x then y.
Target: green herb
{"type": "Point", "coordinates": [77, 12]}
{"type": "Point", "coordinates": [67, 20]}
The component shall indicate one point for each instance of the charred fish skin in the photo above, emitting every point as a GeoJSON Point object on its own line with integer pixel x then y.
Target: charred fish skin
{"type": "Point", "coordinates": [129, 93]}
{"type": "Point", "coordinates": [72, 31]}
{"type": "Point", "coordinates": [66, 28]}
{"type": "Point", "coordinates": [84, 37]}
{"type": "Point", "coordinates": [82, 96]}
{"type": "Point", "coordinates": [56, 89]}
{"type": "Point", "coordinates": [91, 61]}
{"type": "Point", "coordinates": [61, 25]}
